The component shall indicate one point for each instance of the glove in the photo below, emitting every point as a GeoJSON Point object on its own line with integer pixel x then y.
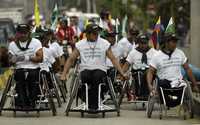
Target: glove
{"type": "Point", "coordinates": [23, 58]}
{"type": "Point", "coordinates": [12, 58]}
{"type": "Point", "coordinates": [20, 58]}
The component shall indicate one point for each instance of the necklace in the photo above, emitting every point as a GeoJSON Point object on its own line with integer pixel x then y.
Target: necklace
{"type": "Point", "coordinates": [92, 47]}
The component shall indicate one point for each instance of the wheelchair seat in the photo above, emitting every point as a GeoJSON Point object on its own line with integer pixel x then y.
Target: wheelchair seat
{"type": "Point", "coordinates": [172, 97]}
{"type": "Point", "coordinates": [140, 84]}
{"type": "Point", "coordinates": [172, 94]}
{"type": "Point", "coordinates": [169, 95]}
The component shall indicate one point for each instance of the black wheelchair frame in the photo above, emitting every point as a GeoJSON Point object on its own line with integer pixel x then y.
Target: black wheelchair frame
{"type": "Point", "coordinates": [185, 104]}
{"type": "Point", "coordinates": [126, 86]}
{"type": "Point", "coordinates": [83, 108]}
{"type": "Point", "coordinates": [45, 92]}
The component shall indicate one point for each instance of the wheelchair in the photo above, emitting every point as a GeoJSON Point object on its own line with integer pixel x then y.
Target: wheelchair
{"type": "Point", "coordinates": [60, 86]}
{"type": "Point", "coordinates": [137, 86]}
{"type": "Point", "coordinates": [44, 101]}
{"type": "Point", "coordinates": [117, 84]}
{"type": "Point", "coordinates": [75, 88]}
{"type": "Point", "coordinates": [167, 98]}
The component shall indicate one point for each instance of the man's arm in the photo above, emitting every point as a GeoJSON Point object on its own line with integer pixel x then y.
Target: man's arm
{"type": "Point", "coordinates": [190, 74]}
{"type": "Point", "coordinates": [114, 61]}
{"type": "Point", "coordinates": [70, 61]}
{"type": "Point", "coordinates": [38, 58]}
{"type": "Point", "coordinates": [12, 59]}
{"type": "Point", "coordinates": [150, 73]}
{"type": "Point", "coordinates": [126, 66]}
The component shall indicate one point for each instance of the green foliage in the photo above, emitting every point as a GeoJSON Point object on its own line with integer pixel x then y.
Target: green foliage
{"type": "Point", "coordinates": [136, 10]}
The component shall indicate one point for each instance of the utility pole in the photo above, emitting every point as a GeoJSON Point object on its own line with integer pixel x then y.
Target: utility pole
{"type": "Point", "coordinates": [94, 7]}
{"type": "Point", "coordinates": [88, 4]}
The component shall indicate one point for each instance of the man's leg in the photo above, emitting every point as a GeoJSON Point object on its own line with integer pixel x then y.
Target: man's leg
{"type": "Point", "coordinates": [33, 86]}
{"type": "Point", "coordinates": [97, 78]}
{"type": "Point", "coordinates": [86, 77]}
{"type": "Point", "coordinates": [145, 90]}
{"type": "Point", "coordinates": [20, 88]}
{"type": "Point", "coordinates": [164, 84]}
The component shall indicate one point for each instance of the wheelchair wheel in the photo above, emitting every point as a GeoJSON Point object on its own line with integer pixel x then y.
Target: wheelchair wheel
{"type": "Point", "coordinates": [190, 109]}
{"type": "Point", "coordinates": [160, 116]}
{"type": "Point", "coordinates": [4, 95]}
{"type": "Point", "coordinates": [161, 111]}
{"type": "Point", "coordinates": [63, 93]}
{"type": "Point", "coordinates": [150, 106]}
{"type": "Point", "coordinates": [113, 96]}
{"type": "Point", "coordinates": [122, 93]}
{"type": "Point", "coordinates": [143, 105]}
{"type": "Point", "coordinates": [55, 91]}
{"type": "Point", "coordinates": [118, 113]}
{"type": "Point", "coordinates": [103, 114]}
{"type": "Point", "coordinates": [61, 87]}
{"type": "Point", "coordinates": [38, 114]}
{"type": "Point", "coordinates": [66, 113]}
{"type": "Point", "coordinates": [52, 105]}
{"type": "Point", "coordinates": [49, 95]}
{"type": "Point", "coordinates": [63, 90]}
{"type": "Point", "coordinates": [188, 106]}
{"type": "Point", "coordinates": [82, 114]}
{"type": "Point", "coordinates": [14, 113]}
{"type": "Point", "coordinates": [73, 93]}
{"type": "Point", "coordinates": [185, 112]}
{"type": "Point", "coordinates": [191, 114]}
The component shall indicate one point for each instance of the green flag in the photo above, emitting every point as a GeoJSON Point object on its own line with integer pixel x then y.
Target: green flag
{"type": "Point", "coordinates": [54, 17]}
{"type": "Point", "coordinates": [170, 27]}
{"type": "Point", "coordinates": [54, 13]}
{"type": "Point", "coordinates": [124, 23]}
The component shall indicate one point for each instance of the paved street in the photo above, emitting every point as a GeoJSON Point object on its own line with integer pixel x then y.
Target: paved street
{"type": "Point", "coordinates": [129, 116]}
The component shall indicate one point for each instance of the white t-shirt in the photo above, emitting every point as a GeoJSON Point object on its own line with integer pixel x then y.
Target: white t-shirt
{"type": "Point", "coordinates": [135, 57]}
{"type": "Point", "coordinates": [103, 24]}
{"type": "Point", "coordinates": [48, 59]}
{"type": "Point", "coordinates": [169, 69]}
{"type": "Point", "coordinates": [117, 52]}
{"type": "Point", "coordinates": [126, 46]}
{"type": "Point", "coordinates": [33, 47]}
{"type": "Point", "coordinates": [93, 54]}
{"type": "Point", "coordinates": [56, 50]}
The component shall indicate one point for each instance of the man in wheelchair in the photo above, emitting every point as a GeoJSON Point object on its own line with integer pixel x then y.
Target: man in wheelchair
{"type": "Point", "coordinates": [93, 52]}
{"type": "Point", "coordinates": [118, 53]}
{"type": "Point", "coordinates": [26, 54]}
{"type": "Point", "coordinates": [139, 59]}
{"type": "Point", "coordinates": [166, 65]}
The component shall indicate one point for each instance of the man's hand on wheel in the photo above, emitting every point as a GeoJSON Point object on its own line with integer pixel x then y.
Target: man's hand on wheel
{"type": "Point", "coordinates": [63, 77]}
{"type": "Point", "coordinates": [123, 77]}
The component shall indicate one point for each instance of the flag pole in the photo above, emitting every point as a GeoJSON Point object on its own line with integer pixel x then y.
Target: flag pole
{"type": "Point", "coordinates": [36, 13]}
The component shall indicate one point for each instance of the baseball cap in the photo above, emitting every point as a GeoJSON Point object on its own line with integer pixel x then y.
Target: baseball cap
{"type": "Point", "coordinates": [23, 28]}
{"type": "Point", "coordinates": [170, 36]}
{"type": "Point", "coordinates": [142, 38]}
{"type": "Point", "coordinates": [92, 28]}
